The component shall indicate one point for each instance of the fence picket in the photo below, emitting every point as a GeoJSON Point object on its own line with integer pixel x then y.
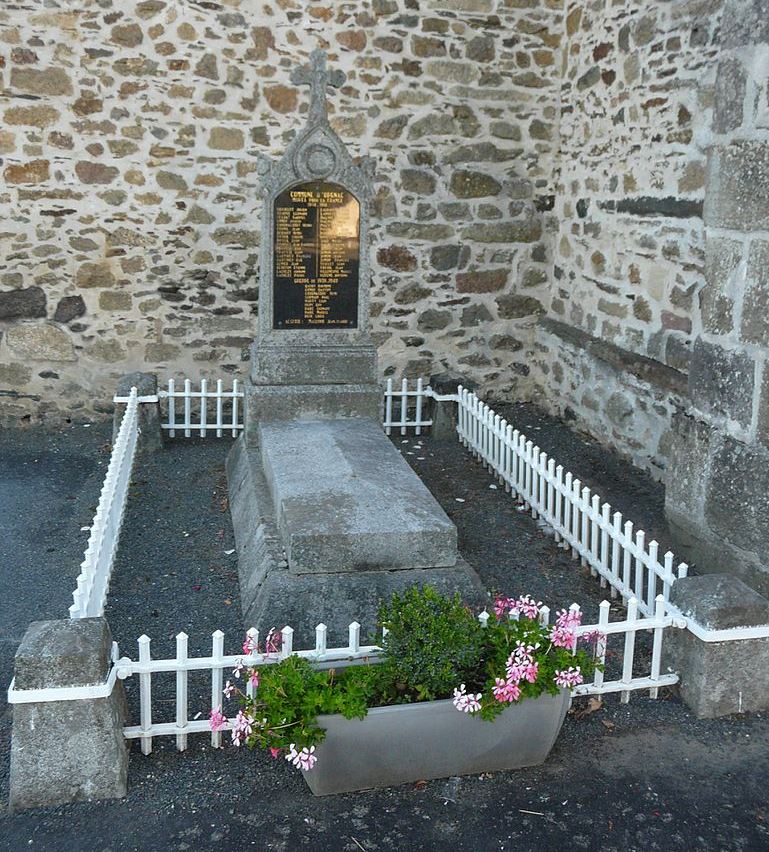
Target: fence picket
{"type": "Point", "coordinates": [253, 635]}
{"type": "Point", "coordinates": [418, 410]}
{"type": "Point", "coordinates": [236, 394]}
{"type": "Point", "coordinates": [171, 408]}
{"type": "Point", "coordinates": [145, 696]}
{"type": "Point", "coordinates": [404, 405]}
{"type": "Point", "coordinates": [627, 660]}
{"type": "Point", "coordinates": [181, 690]}
{"type": "Point", "coordinates": [217, 655]}
{"type": "Point", "coordinates": [187, 407]}
{"type": "Point", "coordinates": [602, 640]}
{"type": "Point", "coordinates": [219, 408]}
{"type": "Point", "coordinates": [640, 539]}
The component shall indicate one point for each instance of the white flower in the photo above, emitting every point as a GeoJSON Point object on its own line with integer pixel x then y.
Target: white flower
{"type": "Point", "coordinates": [467, 702]}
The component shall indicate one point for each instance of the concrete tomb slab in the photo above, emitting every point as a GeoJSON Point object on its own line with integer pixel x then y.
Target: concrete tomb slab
{"type": "Point", "coordinates": [272, 595]}
{"type": "Point", "coordinates": [346, 500]}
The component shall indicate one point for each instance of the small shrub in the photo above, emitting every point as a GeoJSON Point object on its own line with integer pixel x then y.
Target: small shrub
{"type": "Point", "coordinates": [432, 644]}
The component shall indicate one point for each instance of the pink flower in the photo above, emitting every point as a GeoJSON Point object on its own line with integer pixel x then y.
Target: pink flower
{"type": "Point", "coordinates": [275, 752]}
{"type": "Point", "coordinates": [568, 677]}
{"type": "Point", "coordinates": [218, 719]}
{"type": "Point", "coordinates": [506, 690]}
{"type": "Point", "coordinates": [304, 759]}
{"type": "Point", "coordinates": [595, 638]}
{"type": "Point", "coordinates": [238, 669]}
{"type": "Point", "coordinates": [228, 689]}
{"type": "Point", "coordinates": [526, 606]}
{"type": "Point", "coordinates": [502, 605]}
{"type": "Point", "coordinates": [467, 702]}
{"type": "Point", "coordinates": [242, 728]}
{"type": "Point", "coordinates": [273, 641]}
{"type": "Point", "coordinates": [564, 632]}
{"type": "Point", "coordinates": [250, 646]}
{"type": "Point", "coordinates": [254, 679]}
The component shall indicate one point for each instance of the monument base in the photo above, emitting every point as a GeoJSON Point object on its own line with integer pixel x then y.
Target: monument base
{"type": "Point", "coordinates": [273, 595]}
{"type": "Point", "coordinates": [313, 363]}
{"type": "Point", "coordinates": [309, 403]}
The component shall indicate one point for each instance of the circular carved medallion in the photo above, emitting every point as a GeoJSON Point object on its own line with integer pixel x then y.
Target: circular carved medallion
{"type": "Point", "coordinates": [318, 160]}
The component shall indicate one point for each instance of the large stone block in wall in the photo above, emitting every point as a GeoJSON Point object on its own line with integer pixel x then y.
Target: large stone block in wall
{"type": "Point", "coordinates": [686, 482]}
{"type": "Point", "coordinates": [744, 22]}
{"type": "Point", "coordinates": [755, 304]}
{"type": "Point", "coordinates": [730, 96]}
{"type": "Point", "coordinates": [721, 382]}
{"type": "Point", "coordinates": [738, 186]}
{"type": "Point", "coordinates": [722, 263]}
{"type": "Point", "coordinates": [737, 502]}
{"type": "Point", "coordinates": [762, 423]}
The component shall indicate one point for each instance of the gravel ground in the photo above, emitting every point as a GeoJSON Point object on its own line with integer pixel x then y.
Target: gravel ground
{"type": "Point", "coordinates": [640, 776]}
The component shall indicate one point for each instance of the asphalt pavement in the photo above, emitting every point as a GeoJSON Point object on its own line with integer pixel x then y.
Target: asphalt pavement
{"type": "Point", "coordinates": [640, 776]}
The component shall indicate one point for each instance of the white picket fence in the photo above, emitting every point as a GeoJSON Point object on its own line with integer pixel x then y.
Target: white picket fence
{"type": "Point", "coordinates": [96, 568]}
{"type": "Point", "coordinates": [322, 656]}
{"type": "Point", "coordinates": [403, 408]}
{"type": "Point", "coordinates": [192, 418]}
{"type": "Point", "coordinates": [615, 553]}
{"type": "Point", "coordinates": [397, 410]}
{"type": "Point", "coordinates": [217, 663]}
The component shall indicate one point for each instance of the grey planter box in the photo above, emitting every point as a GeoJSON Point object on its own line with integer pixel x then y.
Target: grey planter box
{"type": "Point", "coordinates": [410, 742]}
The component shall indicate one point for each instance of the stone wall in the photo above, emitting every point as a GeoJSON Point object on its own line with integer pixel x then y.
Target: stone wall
{"type": "Point", "coordinates": [130, 217]}
{"type": "Point", "coordinates": [637, 91]}
{"type": "Point", "coordinates": [717, 494]}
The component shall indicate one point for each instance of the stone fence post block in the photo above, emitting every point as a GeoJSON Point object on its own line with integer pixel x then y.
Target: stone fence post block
{"type": "Point", "coordinates": [719, 678]}
{"type": "Point", "coordinates": [445, 413]}
{"type": "Point", "coordinates": [67, 751]}
{"type": "Point", "coordinates": [150, 434]}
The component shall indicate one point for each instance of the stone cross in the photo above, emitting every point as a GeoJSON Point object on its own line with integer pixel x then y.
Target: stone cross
{"type": "Point", "coordinates": [318, 78]}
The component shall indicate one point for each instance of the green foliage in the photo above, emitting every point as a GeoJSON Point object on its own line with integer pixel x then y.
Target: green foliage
{"type": "Point", "coordinates": [292, 694]}
{"type": "Point", "coordinates": [433, 643]}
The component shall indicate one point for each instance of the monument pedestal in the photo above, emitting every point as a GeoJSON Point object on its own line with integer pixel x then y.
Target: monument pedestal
{"type": "Point", "coordinates": [329, 518]}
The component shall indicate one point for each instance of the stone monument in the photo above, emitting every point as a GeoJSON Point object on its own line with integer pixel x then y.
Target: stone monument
{"type": "Point", "coordinates": [328, 516]}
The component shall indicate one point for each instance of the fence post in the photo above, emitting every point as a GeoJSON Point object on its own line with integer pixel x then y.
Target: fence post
{"type": "Point", "coordinates": [444, 414]}
{"type": "Point", "coordinates": [719, 677]}
{"type": "Point", "coordinates": [150, 433]}
{"type": "Point", "coordinates": [66, 750]}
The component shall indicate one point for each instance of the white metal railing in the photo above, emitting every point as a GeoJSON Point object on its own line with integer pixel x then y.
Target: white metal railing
{"type": "Point", "coordinates": [225, 419]}
{"type": "Point", "coordinates": [580, 521]}
{"type": "Point", "coordinates": [96, 568]}
{"type": "Point", "coordinates": [186, 410]}
{"type": "Point", "coordinates": [323, 656]}
{"type": "Point", "coordinates": [397, 410]}
{"type": "Point", "coordinates": [145, 667]}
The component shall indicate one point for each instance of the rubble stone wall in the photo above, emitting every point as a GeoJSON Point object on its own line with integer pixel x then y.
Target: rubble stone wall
{"type": "Point", "coordinates": [637, 93]}
{"type": "Point", "coordinates": [129, 230]}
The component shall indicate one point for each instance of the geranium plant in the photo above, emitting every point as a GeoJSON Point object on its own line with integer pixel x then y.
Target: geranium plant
{"type": "Point", "coordinates": [433, 648]}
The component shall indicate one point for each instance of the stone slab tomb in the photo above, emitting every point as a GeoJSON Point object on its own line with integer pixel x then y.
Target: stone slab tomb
{"type": "Point", "coordinates": [328, 516]}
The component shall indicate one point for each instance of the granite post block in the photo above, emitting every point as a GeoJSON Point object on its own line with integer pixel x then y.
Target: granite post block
{"type": "Point", "coordinates": [720, 678]}
{"type": "Point", "coordinates": [67, 751]}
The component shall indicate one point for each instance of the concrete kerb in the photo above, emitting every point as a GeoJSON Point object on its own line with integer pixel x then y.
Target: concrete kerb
{"type": "Point", "coordinates": [72, 749]}
{"type": "Point", "coordinates": [150, 431]}
{"type": "Point", "coordinates": [722, 657]}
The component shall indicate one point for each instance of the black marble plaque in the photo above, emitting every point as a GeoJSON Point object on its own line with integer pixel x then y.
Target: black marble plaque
{"type": "Point", "coordinates": [316, 252]}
